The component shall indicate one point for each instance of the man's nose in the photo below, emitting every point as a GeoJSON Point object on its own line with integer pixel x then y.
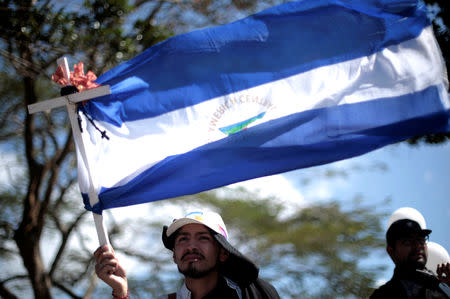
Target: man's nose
{"type": "Point", "coordinates": [192, 245]}
{"type": "Point", "coordinates": [419, 243]}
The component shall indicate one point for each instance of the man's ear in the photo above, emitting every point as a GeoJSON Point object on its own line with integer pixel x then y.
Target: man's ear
{"type": "Point", "coordinates": [390, 250]}
{"type": "Point", "coordinates": [223, 255]}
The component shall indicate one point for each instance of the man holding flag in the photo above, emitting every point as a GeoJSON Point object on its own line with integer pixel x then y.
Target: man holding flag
{"type": "Point", "coordinates": [298, 85]}
{"type": "Point", "coordinates": [212, 267]}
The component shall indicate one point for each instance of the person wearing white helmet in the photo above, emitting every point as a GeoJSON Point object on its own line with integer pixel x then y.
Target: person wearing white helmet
{"type": "Point", "coordinates": [211, 266]}
{"type": "Point", "coordinates": [407, 247]}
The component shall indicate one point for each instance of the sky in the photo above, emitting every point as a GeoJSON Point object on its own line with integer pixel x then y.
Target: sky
{"type": "Point", "coordinates": [411, 176]}
{"type": "Point", "coordinates": [416, 177]}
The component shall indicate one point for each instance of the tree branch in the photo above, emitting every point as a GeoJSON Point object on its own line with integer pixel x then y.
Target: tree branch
{"type": "Point", "coordinates": [5, 292]}
{"type": "Point", "coordinates": [54, 165]}
{"type": "Point", "coordinates": [65, 234]}
{"type": "Point", "coordinates": [65, 289]}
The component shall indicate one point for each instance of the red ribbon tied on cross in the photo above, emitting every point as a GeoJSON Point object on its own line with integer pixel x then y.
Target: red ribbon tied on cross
{"type": "Point", "coordinates": [77, 78]}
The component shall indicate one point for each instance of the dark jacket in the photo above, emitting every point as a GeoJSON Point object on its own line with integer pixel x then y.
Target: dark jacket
{"type": "Point", "coordinates": [410, 284]}
{"type": "Point", "coordinates": [260, 289]}
{"type": "Point", "coordinates": [226, 289]}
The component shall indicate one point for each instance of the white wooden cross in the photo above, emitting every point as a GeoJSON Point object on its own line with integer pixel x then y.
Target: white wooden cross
{"type": "Point", "coordinates": [70, 101]}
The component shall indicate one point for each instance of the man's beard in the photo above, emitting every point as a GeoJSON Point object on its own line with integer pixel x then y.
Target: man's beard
{"type": "Point", "coordinates": [192, 270]}
{"type": "Point", "coordinates": [420, 264]}
{"type": "Point", "coordinates": [413, 264]}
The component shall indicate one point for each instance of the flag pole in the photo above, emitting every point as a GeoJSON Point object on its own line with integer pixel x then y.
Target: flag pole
{"type": "Point", "coordinates": [102, 233]}
{"type": "Point", "coordinates": [100, 227]}
{"type": "Point", "coordinates": [70, 101]}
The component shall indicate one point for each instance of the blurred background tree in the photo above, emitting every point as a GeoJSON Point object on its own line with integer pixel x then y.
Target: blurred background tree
{"type": "Point", "coordinates": [440, 16]}
{"type": "Point", "coordinates": [313, 251]}
{"type": "Point", "coordinates": [40, 204]}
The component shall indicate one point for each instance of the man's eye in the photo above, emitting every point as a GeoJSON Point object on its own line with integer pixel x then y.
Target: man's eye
{"type": "Point", "coordinates": [411, 242]}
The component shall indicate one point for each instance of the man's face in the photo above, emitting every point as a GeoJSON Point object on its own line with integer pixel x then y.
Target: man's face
{"type": "Point", "coordinates": [410, 251]}
{"type": "Point", "coordinates": [196, 252]}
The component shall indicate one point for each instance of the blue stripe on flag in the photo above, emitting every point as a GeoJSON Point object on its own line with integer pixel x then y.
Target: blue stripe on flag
{"type": "Point", "coordinates": [280, 42]}
{"type": "Point", "coordinates": [300, 140]}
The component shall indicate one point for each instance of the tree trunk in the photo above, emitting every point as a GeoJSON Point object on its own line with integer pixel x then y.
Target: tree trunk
{"type": "Point", "coordinates": [28, 245]}
{"type": "Point", "coordinates": [28, 234]}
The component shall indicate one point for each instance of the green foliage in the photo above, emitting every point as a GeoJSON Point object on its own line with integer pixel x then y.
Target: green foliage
{"type": "Point", "coordinates": [321, 244]}
{"type": "Point", "coordinates": [309, 251]}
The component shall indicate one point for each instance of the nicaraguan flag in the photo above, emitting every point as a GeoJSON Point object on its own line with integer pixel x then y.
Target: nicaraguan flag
{"type": "Point", "coordinates": [297, 85]}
